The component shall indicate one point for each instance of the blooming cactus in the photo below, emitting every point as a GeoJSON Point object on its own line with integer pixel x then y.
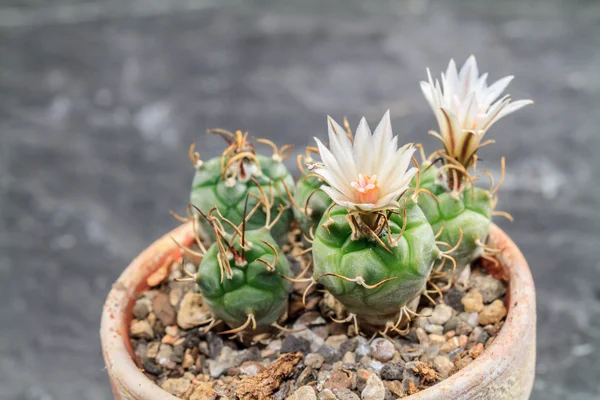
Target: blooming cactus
{"type": "Point", "coordinates": [371, 252]}
{"type": "Point", "coordinates": [465, 108]}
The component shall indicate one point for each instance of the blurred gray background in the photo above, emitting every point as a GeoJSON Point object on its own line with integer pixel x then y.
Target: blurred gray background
{"type": "Point", "coordinates": [99, 101]}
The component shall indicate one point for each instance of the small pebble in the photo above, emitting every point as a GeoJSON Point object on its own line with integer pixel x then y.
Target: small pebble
{"type": "Point", "coordinates": [463, 328]}
{"type": "Point", "coordinates": [338, 380]}
{"type": "Point", "coordinates": [349, 358]}
{"type": "Point", "coordinates": [188, 359]}
{"type": "Point", "coordinates": [251, 368]}
{"type": "Point", "coordinates": [141, 309]}
{"type": "Point", "coordinates": [453, 299]}
{"type": "Point", "coordinates": [463, 362]}
{"type": "Point", "coordinates": [345, 394]}
{"type": "Point", "coordinates": [329, 353]}
{"type": "Point", "coordinates": [151, 367]}
{"type": "Point", "coordinates": [349, 345]}
{"type": "Point", "coordinates": [382, 349]}
{"type": "Point", "coordinates": [395, 388]}
{"type": "Point", "coordinates": [336, 341]}
{"type": "Point", "coordinates": [376, 366]}
{"type": "Point", "coordinates": [450, 345]}
{"type": "Point", "coordinates": [451, 324]}
{"type": "Point", "coordinates": [392, 371]}
{"type": "Point", "coordinates": [441, 314]}
{"type": "Point", "coordinates": [141, 329]}
{"type": "Point", "coordinates": [424, 320]}
{"type": "Point", "coordinates": [326, 394]}
{"type": "Point", "coordinates": [493, 330]}
{"type": "Point", "coordinates": [473, 319]}
{"type": "Point", "coordinates": [303, 393]}
{"type": "Point", "coordinates": [172, 331]}
{"type": "Point", "coordinates": [422, 335]}
{"type": "Point", "coordinates": [476, 351]}
{"type": "Point", "coordinates": [437, 339]}
{"type": "Point", "coordinates": [362, 349]}
{"type": "Point", "coordinates": [454, 353]}
{"type": "Point", "coordinates": [152, 349]}
{"type": "Point", "coordinates": [164, 353]}
{"type": "Point", "coordinates": [163, 310]}
{"type": "Point", "coordinates": [191, 311]}
{"type": "Point", "coordinates": [314, 360]}
{"type": "Point", "coordinates": [492, 313]}
{"type": "Point", "coordinates": [222, 363]}
{"type": "Point", "coordinates": [176, 386]}
{"type": "Point", "coordinates": [204, 391]}
{"type": "Point", "coordinates": [473, 301]}
{"type": "Point", "coordinates": [489, 287]}
{"type": "Point", "coordinates": [141, 348]}
{"type": "Point", "coordinates": [443, 365]}
{"type": "Point", "coordinates": [175, 296]}
{"type": "Point", "coordinates": [432, 328]}
{"type": "Point", "coordinates": [293, 344]}
{"type": "Point", "coordinates": [374, 389]}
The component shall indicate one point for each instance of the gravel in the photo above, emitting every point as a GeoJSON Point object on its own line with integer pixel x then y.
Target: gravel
{"type": "Point", "coordinates": [176, 353]}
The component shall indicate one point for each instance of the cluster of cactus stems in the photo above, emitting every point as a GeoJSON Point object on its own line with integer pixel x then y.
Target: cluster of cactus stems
{"type": "Point", "coordinates": [376, 232]}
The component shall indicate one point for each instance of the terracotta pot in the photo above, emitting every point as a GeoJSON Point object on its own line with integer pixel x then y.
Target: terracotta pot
{"type": "Point", "coordinates": [505, 370]}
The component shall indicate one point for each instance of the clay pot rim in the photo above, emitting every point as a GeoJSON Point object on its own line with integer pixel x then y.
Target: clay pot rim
{"type": "Point", "coordinates": [123, 371]}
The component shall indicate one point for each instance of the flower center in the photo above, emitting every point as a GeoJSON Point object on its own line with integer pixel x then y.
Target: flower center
{"type": "Point", "coordinates": [367, 189]}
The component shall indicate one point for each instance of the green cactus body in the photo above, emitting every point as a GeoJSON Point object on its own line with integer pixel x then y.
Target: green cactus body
{"type": "Point", "coordinates": [469, 212]}
{"type": "Point", "coordinates": [252, 289]}
{"type": "Point", "coordinates": [210, 190]}
{"type": "Point", "coordinates": [308, 216]}
{"type": "Point", "coordinates": [409, 263]}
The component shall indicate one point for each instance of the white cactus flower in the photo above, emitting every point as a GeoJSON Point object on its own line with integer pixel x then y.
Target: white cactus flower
{"type": "Point", "coordinates": [466, 107]}
{"type": "Point", "coordinates": [368, 174]}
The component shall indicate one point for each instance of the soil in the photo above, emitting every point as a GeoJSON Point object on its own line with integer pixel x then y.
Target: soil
{"type": "Point", "coordinates": [323, 359]}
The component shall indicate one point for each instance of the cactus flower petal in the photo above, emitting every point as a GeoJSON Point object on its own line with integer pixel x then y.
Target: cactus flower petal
{"type": "Point", "coordinates": [369, 173]}
{"type": "Point", "coordinates": [466, 107]}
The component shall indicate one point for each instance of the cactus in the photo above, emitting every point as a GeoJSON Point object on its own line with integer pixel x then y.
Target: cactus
{"type": "Point", "coordinates": [374, 279]}
{"type": "Point", "coordinates": [310, 201]}
{"type": "Point", "coordinates": [465, 108]}
{"type": "Point", "coordinates": [467, 214]}
{"type": "Point", "coordinates": [234, 289]}
{"type": "Point", "coordinates": [224, 182]}
{"type": "Point", "coordinates": [242, 276]}
{"type": "Point", "coordinates": [374, 223]}
{"type": "Point", "coordinates": [370, 252]}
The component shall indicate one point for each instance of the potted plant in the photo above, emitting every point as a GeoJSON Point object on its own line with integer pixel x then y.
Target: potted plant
{"type": "Point", "coordinates": [368, 278]}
